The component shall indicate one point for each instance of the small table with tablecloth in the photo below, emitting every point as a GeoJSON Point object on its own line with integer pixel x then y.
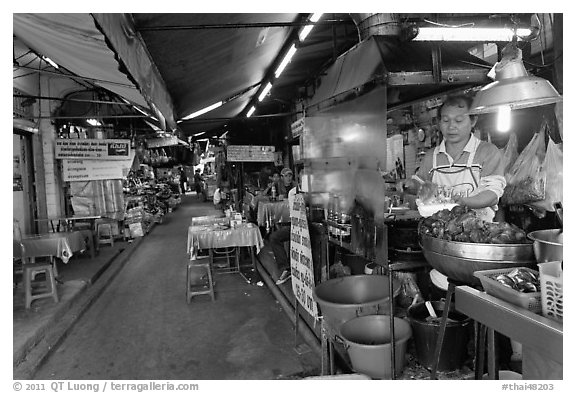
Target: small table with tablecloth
{"type": "Point", "coordinates": [273, 213]}
{"type": "Point", "coordinates": [213, 236]}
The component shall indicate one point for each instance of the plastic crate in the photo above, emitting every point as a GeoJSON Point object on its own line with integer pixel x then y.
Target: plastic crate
{"type": "Point", "coordinates": [551, 278]}
{"type": "Point", "coordinates": [530, 301]}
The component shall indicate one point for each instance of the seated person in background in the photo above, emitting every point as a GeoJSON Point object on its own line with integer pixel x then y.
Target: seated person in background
{"type": "Point", "coordinates": [274, 182]}
{"type": "Point", "coordinates": [287, 182]}
{"type": "Point", "coordinates": [282, 234]}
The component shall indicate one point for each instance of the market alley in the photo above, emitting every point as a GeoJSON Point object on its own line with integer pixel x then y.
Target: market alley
{"type": "Point", "coordinates": [142, 328]}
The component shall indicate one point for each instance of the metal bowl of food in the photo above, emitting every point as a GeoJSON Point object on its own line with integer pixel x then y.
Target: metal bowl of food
{"type": "Point", "coordinates": [459, 260]}
{"type": "Point", "coordinates": [548, 245]}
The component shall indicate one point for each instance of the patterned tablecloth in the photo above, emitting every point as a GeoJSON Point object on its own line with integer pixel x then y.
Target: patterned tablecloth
{"type": "Point", "coordinates": [60, 244]}
{"type": "Point", "coordinates": [275, 212]}
{"type": "Point", "coordinates": [213, 236]}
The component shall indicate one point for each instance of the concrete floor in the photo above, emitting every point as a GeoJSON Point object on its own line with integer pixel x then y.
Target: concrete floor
{"type": "Point", "coordinates": [141, 327]}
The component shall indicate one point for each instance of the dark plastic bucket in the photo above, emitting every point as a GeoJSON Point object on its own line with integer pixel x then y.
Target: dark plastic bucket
{"type": "Point", "coordinates": [368, 343]}
{"type": "Point", "coordinates": [455, 346]}
{"type": "Point", "coordinates": [341, 299]}
{"type": "Point", "coordinates": [355, 262]}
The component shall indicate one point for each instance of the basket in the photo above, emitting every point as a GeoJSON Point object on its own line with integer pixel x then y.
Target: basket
{"type": "Point", "coordinates": [552, 290]}
{"type": "Point", "coordinates": [530, 301]}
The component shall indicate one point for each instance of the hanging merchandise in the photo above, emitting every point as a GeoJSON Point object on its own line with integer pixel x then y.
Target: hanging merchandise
{"type": "Point", "coordinates": [510, 152]}
{"type": "Point", "coordinates": [526, 181]}
{"type": "Point", "coordinates": [553, 168]}
{"type": "Point", "coordinates": [163, 156]}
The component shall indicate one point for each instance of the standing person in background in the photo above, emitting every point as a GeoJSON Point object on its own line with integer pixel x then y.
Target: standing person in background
{"type": "Point", "coordinates": [282, 234]}
{"type": "Point", "coordinates": [183, 180]}
{"type": "Point", "coordinates": [198, 183]}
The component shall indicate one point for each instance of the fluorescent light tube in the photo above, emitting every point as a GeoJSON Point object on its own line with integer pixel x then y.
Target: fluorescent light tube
{"type": "Point", "coordinates": [285, 61]}
{"type": "Point", "coordinates": [308, 28]}
{"type": "Point", "coordinates": [468, 34]}
{"type": "Point", "coordinates": [202, 111]}
{"type": "Point", "coordinates": [250, 111]}
{"type": "Point", "coordinates": [200, 133]}
{"type": "Point", "coordinates": [50, 61]}
{"type": "Point", "coordinates": [265, 91]}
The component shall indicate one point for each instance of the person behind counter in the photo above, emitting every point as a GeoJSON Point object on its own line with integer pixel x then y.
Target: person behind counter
{"type": "Point", "coordinates": [282, 234]}
{"type": "Point", "coordinates": [472, 168]}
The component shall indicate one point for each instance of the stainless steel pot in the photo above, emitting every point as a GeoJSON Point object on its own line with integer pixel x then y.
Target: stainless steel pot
{"type": "Point", "coordinates": [548, 245]}
{"type": "Point", "coordinates": [459, 260]}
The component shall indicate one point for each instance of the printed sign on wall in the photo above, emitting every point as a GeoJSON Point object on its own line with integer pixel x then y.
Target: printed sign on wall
{"type": "Point", "coordinates": [250, 153]}
{"type": "Point", "coordinates": [92, 149]}
{"type": "Point", "coordinates": [84, 170]}
{"type": "Point", "coordinates": [301, 257]}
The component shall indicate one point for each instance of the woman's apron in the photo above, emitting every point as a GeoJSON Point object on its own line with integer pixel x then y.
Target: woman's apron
{"type": "Point", "coordinates": [462, 179]}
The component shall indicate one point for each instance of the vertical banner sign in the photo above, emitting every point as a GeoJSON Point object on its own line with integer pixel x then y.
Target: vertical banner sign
{"type": "Point", "coordinates": [301, 257]}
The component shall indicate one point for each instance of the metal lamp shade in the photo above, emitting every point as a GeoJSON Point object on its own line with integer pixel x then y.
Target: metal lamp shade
{"type": "Point", "coordinates": [514, 87]}
{"type": "Point", "coordinates": [517, 93]}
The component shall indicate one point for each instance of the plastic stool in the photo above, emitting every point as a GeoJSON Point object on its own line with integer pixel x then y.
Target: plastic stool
{"type": "Point", "coordinates": [29, 272]}
{"type": "Point", "coordinates": [104, 234]}
{"type": "Point", "coordinates": [200, 263]}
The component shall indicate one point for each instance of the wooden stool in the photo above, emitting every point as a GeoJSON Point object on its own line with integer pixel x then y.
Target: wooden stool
{"type": "Point", "coordinates": [204, 264]}
{"type": "Point", "coordinates": [29, 272]}
{"type": "Point", "coordinates": [104, 234]}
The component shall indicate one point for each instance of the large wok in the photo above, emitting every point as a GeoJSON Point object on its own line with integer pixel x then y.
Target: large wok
{"type": "Point", "coordinates": [459, 260]}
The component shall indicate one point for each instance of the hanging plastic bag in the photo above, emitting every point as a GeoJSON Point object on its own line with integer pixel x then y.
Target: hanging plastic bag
{"type": "Point", "coordinates": [553, 167]}
{"type": "Point", "coordinates": [526, 181]}
{"type": "Point", "coordinates": [510, 153]}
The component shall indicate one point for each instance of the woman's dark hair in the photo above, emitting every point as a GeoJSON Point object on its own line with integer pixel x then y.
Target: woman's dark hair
{"type": "Point", "coordinates": [458, 100]}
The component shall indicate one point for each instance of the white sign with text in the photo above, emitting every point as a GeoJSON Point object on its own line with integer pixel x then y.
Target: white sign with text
{"type": "Point", "coordinates": [92, 149]}
{"type": "Point", "coordinates": [301, 256]}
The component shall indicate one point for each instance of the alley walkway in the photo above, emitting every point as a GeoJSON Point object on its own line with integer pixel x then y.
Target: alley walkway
{"type": "Point", "coordinates": [142, 328]}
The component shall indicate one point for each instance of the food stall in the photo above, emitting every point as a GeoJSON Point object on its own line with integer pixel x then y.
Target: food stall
{"type": "Point", "coordinates": [342, 140]}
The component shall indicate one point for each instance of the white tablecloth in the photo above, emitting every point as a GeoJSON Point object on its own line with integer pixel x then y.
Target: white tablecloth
{"type": "Point", "coordinates": [211, 236]}
{"type": "Point", "coordinates": [60, 244]}
{"type": "Point", "coordinates": [274, 211]}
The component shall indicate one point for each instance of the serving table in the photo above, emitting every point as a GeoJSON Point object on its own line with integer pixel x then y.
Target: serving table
{"type": "Point", "coordinates": [541, 338]}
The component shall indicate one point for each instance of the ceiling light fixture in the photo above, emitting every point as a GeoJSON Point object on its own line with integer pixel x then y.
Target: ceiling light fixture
{"type": "Point", "coordinates": [308, 28]}
{"type": "Point", "coordinates": [202, 111]}
{"type": "Point", "coordinates": [513, 86]}
{"type": "Point", "coordinates": [50, 61]}
{"type": "Point", "coordinates": [488, 34]}
{"type": "Point", "coordinates": [264, 92]}
{"type": "Point", "coordinates": [251, 111]}
{"type": "Point", "coordinates": [285, 61]}
{"type": "Point", "coordinates": [93, 122]}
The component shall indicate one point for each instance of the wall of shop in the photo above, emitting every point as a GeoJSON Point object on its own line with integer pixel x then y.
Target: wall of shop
{"type": "Point", "coordinates": [19, 205]}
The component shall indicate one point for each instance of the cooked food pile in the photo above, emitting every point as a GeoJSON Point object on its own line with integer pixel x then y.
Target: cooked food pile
{"type": "Point", "coordinates": [461, 224]}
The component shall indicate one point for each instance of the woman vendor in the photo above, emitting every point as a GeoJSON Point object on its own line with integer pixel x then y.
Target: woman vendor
{"type": "Point", "coordinates": [472, 169]}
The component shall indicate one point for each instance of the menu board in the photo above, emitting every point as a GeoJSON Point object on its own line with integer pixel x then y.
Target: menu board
{"type": "Point", "coordinates": [250, 153]}
{"type": "Point", "coordinates": [92, 149]}
{"type": "Point", "coordinates": [301, 264]}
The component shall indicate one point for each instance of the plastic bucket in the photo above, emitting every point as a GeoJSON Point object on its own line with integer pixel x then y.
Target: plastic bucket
{"type": "Point", "coordinates": [368, 343]}
{"type": "Point", "coordinates": [341, 299]}
{"type": "Point", "coordinates": [355, 262]}
{"type": "Point", "coordinates": [455, 346]}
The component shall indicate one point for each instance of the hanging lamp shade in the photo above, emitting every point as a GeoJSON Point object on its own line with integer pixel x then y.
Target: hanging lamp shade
{"type": "Point", "coordinates": [513, 86]}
